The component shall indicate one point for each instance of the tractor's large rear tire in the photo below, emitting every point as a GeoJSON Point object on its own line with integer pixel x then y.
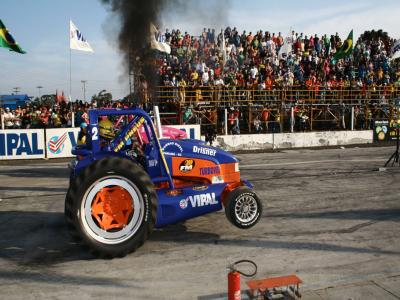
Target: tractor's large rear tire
{"type": "Point", "coordinates": [243, 208]}
{"type": "Point", "coordinates": [111, 207]}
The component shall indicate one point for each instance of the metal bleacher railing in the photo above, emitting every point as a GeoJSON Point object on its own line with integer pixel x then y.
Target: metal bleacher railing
{"type": "Point", "coordinates": [282, 109]}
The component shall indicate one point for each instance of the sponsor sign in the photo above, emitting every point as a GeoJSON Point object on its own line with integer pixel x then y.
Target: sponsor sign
{"type": "Point", "coordinates": [199, 200]}
{"type": "Point", "coordinates": [173, 149]}
{"type": "Point", "coordinates": [152, 163]}
{"type": "Point", "coordinates": [183, 203]}
{"type": "Point", "coordinates": [129, 134]}
{"type": "Point", "coordinates": [204, 150]}
{"type": "Point", "coordinates": [216, 170]}
{"type": "Point", "coordinates": [22, 144]}
{"type": "Point", "coordinates": [381, 130]}
{"type": "Point", "coordinates": [187, 165]}
{"type": "Point", "coordinates": [59, 142]}
{"type": "Point", "coordinates": [200, 188]}
{"type": "Point", "coordinates": [193, 131]}
{"type": "Point", "coordinates": [385, 130]}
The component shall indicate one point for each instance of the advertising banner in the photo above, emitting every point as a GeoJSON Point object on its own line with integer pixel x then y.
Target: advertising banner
{"type": "Point", "coordinates": [59, 142]}
{"type": "Point", "coordinates": [22, 144]}
{"type": "Point", "coordinates": [193, 131]}
{"type": "Point", "coordinates": [381, 131]}
{"type": "Point", "coordinates": [385, 130]}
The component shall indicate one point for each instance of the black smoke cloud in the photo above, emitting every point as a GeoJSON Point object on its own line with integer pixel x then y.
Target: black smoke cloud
{"type": "Point", "coordinates": [135, 17]}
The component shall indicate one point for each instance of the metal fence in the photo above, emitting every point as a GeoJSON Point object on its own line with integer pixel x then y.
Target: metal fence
{"type": "Point", "coordinates": [279, 109]}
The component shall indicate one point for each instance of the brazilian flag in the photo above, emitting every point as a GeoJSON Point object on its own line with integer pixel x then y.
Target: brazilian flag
{"type": "Point", "coordinates": [7, 41]}
{"type": "Point", "coordinates": [346, 49]}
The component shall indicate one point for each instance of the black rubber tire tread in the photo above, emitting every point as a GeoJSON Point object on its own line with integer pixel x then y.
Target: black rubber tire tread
{"type": "Point", "coordinates": [230, 207]}
{"type": "Point", "coordinates": [79, 185]}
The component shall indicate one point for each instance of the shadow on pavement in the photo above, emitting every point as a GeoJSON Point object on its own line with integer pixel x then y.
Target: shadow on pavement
{"type": "Point", "coordinates": [33, 189]}
{"type": "Point", "coordinates": [37, 238]}
{"type": "Point", "coordinates": [362, 214]}
{"type": "Point", "coordinates": [41, 238]}
{"type": "Point", "coordinates": [36, 172]}
{"type": "Point", "coordinates": [56, 278]}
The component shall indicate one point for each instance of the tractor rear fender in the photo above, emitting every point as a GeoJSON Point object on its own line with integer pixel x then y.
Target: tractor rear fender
{"type": "Point", "coordinates": [232, 186]}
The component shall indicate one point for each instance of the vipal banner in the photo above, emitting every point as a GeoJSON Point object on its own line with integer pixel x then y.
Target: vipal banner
{"type": "Point", "coordinates": [59, 142]}
{"type": "Point", "coordinates": [22, 144]}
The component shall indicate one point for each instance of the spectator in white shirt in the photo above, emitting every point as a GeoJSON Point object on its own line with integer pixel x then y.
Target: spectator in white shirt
{"type": "Point", "coordinates": [8, 118]}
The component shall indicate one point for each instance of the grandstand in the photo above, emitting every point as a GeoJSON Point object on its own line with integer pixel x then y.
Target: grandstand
{"type": "Point", "coordinates": [328, 84]}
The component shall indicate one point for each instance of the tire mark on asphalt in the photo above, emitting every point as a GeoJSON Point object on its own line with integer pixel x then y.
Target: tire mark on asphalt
{"type": "Point", "coordinates": [30, 196]}
{"type": "Point", "coordinates": [351, 229]}
{"type": "Point", "coordinates": [385, 289]}
{"type": "Point", "coordinates": [312, 162]}
{"type": "Point", "coordinates": [282, 176]}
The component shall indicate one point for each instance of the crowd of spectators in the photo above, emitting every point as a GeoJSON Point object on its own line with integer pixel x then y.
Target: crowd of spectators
{"type": "Point", "coordinates": [246, 60]}
{"type": "Point", "coordinates": [58, 115]}
{"type": "Point", "coordinates": [255, 60]}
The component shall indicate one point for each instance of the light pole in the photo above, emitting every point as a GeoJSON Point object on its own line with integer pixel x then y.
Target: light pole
{"type": "Point", "coordinates": [16, 90]}
{"type": "Point", "coordinates": [84, 89]}
{"type": "Point", "coordinates": [39, 87]}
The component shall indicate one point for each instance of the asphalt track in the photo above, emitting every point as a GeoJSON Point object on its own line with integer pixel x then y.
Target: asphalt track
{"type": "Point", "coordinates": [330, 216]}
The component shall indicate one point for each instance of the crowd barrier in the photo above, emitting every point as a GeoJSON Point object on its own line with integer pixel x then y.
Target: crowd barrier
{"type": "Point", "coordinates": [293, 140]}
{"type": "Point", "coordinates": [322, 108]}
{"type": "Point", "coordinates": [52, 143]}
{"type": "Point", "coordinates": [22, 144]}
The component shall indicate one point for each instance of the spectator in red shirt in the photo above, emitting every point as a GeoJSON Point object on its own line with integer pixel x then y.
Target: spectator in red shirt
{"type": "Point", "coordinates": [44, 117]}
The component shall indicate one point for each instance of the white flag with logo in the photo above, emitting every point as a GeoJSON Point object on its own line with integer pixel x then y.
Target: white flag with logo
{"type": "Point", "coordinates": [396, 50]}
{"type": "Point", "coordinates": [76, 39]}
{"type": "Point", "coordinates": [286, 48]}
{"type": "Point", "coordinates": [154, 44]}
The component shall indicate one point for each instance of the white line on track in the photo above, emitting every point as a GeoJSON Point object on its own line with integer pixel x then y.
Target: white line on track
{"type": "Point", "coordinates": [311, 162]}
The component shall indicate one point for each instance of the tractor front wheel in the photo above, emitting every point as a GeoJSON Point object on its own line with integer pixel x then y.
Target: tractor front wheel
{"type": "Point", "coordinates": [243, 208]}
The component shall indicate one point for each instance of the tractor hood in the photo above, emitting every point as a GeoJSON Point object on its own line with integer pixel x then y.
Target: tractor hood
{"type": "Point", "coordinates": [196, 149]}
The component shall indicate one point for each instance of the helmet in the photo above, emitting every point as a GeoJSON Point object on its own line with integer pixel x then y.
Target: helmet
{"type": "Point", "coordinates": [106, 129]}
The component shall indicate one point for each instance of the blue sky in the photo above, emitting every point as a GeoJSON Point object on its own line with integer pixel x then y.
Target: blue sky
{"type": "Point", "coordinates": [41, 28]}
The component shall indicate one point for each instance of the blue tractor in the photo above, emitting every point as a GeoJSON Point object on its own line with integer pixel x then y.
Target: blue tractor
{"type": "Point", "coordinates": [125, 181]}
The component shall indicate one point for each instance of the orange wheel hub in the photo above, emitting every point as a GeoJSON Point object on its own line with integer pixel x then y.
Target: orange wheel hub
{"type": "Point", "coordinates": [112, 207]}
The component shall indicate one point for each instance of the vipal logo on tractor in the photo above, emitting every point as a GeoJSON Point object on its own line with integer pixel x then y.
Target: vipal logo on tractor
{"type": "Point", "coordinates": [115, 199]}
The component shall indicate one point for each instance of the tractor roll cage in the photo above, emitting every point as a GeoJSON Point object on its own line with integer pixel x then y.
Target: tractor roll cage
{"type": "Point", "coordinates": [94, 140]}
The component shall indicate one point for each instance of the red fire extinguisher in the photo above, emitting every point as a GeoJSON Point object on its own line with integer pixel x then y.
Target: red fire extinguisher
{"type": "Point", "coordinates": [234, 278]}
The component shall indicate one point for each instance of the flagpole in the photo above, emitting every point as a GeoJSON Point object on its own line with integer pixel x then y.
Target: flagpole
{"type": "Point", "coordinates": [70, 80]}
{"type": "Point", "coordinates": [76, 42]}
{"type": "Point", "coordinates": [70, 74]}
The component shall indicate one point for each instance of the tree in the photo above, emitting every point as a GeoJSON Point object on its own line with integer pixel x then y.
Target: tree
{"type": "Point", "coordinates": [45, 100]}
{"type": "Point", "coordinates": [102, 98]}
{"type": "Point", "coordinates": [373, 36]}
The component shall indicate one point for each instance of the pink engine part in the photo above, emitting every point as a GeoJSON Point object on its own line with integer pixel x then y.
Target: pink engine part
{"type": "Point", "coordinates": [167, 132]}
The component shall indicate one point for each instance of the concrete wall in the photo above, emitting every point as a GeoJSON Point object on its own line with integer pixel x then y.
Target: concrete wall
{"type": "Point", "coordinates": [293, 140]}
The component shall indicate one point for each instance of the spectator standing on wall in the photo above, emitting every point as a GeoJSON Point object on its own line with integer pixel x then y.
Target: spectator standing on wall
{"type": "Point", "coordinates": [56, 118]}
{"type": "Point", "coordinates": [44, 117]}
{"type": "Point", "coordinates": [257, 124]}
{"type": "Point", "coordinates": [8, 118]}
{"type": "Point", "coordinates": [187, 115]}
{"type": "Point", "coordinates": [17, 118]}
{"type": "Point", "coordinates": [265, 117]}
{"type": "Point", "coordinates": [26, 118]}
{"type": "Point", "coordinates": [233, 120]}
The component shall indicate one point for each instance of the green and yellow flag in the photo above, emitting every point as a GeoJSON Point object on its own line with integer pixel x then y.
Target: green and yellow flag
{"type": "Point", "coordinates": [7, 41]}
{"type": "Point", "coordinates": [346, 49]}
